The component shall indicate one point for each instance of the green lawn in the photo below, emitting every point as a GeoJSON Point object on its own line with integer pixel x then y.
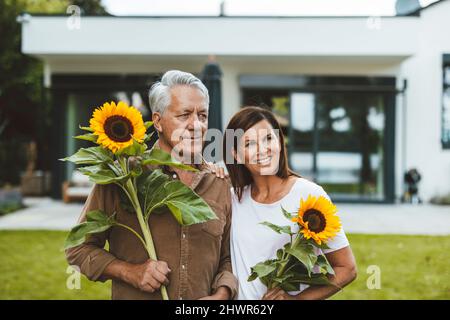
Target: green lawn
{"type": "Point", "coordinates": [32, 266]}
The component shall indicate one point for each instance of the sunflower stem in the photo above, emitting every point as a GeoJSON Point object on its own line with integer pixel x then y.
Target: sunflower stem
{"type": "Point", "coordinates": [150, 246]}
{"type": "Point", "coordinates": [131, 192]}
{"type": "Point", "coordinates": [284, 261]}
{"type": "Point", "coordinates": [132, 231]}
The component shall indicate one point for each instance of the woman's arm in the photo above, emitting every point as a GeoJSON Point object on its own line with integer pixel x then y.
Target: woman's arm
{"type": "Point", "coordinates": [344, 266]}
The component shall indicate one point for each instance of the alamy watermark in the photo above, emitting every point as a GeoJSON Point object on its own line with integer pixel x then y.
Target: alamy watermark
{"type": "Point", "coordinates": [259, 147]}
{"type": "Point", "coordinates": [374, 279]}
{"type": "Point", "coordinates": [74, 20]}
{"type": "Point", "coordinates": [73, 281]}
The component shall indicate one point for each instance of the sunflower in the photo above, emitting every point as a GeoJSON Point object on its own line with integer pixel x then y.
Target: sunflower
{"type": "Point", "coordinates": [117, 125]}
{"type": "Point", "coordinates": [318, 218]}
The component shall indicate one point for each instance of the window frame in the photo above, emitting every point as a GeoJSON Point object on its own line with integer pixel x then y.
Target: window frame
{"type": "Point", "coordinates": [445, 86]}
{"type": "Point", "coordinates": [330, 84]}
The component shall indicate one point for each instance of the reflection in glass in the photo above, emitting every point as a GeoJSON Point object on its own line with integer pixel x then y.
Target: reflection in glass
{"type": "Point", "coordinates": [446, 117]}
{"type": "Point", "coordinates": [302, 117]}
{"type": "Point", "coordinates": [343, 152]}
{"type": "Point", "coordinates": [333, 138]}
{"type": "Point", "coordinates": [447, 76]}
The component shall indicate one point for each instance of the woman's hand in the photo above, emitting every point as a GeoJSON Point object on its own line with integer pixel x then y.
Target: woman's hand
{"type": "Point", "coordinates": [277, 294]}
{"type": "Point", "coordinates": [218, 170]}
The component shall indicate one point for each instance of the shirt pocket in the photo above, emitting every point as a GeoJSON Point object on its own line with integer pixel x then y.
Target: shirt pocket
{"type": "Point", "coordinates": [215, 227]}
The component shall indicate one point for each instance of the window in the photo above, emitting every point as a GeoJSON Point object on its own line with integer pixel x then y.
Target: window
{"type": "Point", "coordinates": [340, 130]}
{"type": "Point", "coordinates": [337, 141]}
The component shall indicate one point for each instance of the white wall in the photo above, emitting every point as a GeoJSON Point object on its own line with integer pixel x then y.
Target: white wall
{"type": "Point", "coordinates": [221, 36]}
{"type": "Point", "coordinates": [424, 102]}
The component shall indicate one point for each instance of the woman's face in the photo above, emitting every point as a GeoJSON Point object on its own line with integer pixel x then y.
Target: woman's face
{"type": "Point", "coordinates": [259, 149]}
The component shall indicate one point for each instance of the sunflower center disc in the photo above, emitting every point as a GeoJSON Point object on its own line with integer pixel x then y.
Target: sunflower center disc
{"type": "Point", "coordinates": [118, 128]}
{"type": "Point", "coordinates": [316, 220]}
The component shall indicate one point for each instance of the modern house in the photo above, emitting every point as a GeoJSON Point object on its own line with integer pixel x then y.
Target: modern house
{"type": "Point", "coordinates": [362, 99]}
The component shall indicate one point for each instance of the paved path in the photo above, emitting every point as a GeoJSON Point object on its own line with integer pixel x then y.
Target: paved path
{"type": "Point", "coordinates": [49, 214]}
{"type": "Point", "coordinates": [395, 218]}
{"type": "Point", "coordinates": [43, 213]}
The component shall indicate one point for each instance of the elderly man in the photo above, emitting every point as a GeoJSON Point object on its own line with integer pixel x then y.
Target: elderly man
{"type": "Point", "coordinates": [194, 261]}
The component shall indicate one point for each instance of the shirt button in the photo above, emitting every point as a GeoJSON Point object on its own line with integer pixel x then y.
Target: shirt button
{"type": "Point", "coordinates": [184, 235]}
{"type": "Point", "coordinates": [181, 298]}
{"type": "Point", "coordinates": [183, 267]}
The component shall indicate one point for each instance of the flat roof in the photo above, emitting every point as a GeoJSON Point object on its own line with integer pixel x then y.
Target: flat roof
{"type": "Point", "coordinates": [413, 13]}
{"type": "Point", "coordinates": [222, 36]}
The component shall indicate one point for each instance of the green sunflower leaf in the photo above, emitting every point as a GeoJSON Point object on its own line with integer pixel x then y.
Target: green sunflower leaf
{"type": "Point", "coordinates": [158, 157]}
{"type": "Point", "coordinates": [148, 124]}
{"type": "Point", "coordinates": [92, 155]}
{"type": "Point", "coordinates": [136, 171]}
{"type": "Point", "coordinates": [323, 245]}
{"type": "Point", "coordinates": [304, 253]}
{"type": "Point", "coordinates": [86, 128]}
{"type": "Point", "coordinates": [324, 265]}
{"type": "Point", "coordinates": [278, 229]}
{"type": "Point", "coordinates": [288, 286]}
{"type": "Point", "coordinates": [280, 253]}
{"type": "Point", "coordinates": [135, 149]}
{"type": "Point", "coordinates": [157, 190]}
{"type": "Point", "coordinates": [317, 279]}
{"type": "Point", "coordinates": [253, 276]}
{"type": "Point", "coordinates": [102, 174]}
{"type": "Point", "coordinates": [96, 221]}
{"type": "Point", "coordinates": [147, 137]}
{"type": "Point", "coordinates": [282, 279]}
{"type": "Point", "coordinates": [262, 269]}
{"type": "Point", "coordinates": [88, 137]}
{"type": "Point", "coordinates": [287, 214]}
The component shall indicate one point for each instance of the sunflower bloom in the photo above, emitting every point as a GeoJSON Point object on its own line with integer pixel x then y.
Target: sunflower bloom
{"type": "Point", "coordinates": [117, 125]}
{"type": "Point", "coordinates": [318, 218]}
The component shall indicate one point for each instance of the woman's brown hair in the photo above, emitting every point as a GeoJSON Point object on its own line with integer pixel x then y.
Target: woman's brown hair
{"type": "Point", "coordinates": [246, 118]}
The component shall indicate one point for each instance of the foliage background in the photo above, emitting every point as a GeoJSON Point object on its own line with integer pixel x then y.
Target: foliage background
{"type": "Point", "coordinates": [24, 110]}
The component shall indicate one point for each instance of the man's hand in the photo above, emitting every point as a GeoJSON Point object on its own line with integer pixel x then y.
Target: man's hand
{"type": "Point", "coordinates": [222, 293]}
{"type": "Point", "coordinates": [148, 276]}
{"type": "Point", "coordinates": [277, 294]}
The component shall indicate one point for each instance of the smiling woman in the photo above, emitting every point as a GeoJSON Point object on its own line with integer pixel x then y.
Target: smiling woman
{"type": "Point", "coordinates": [296, 262]}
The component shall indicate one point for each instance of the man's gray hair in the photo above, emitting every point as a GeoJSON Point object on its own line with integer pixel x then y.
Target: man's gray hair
{"type": "Point", "coordinates": [159, 94]}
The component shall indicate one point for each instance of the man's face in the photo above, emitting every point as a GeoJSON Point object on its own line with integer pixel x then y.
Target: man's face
{"type": "Point", "coordinates": [183, 125]}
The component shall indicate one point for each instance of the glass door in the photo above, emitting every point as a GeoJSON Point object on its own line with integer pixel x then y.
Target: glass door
{"type": "Point", "coordinates": [340, 141]}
